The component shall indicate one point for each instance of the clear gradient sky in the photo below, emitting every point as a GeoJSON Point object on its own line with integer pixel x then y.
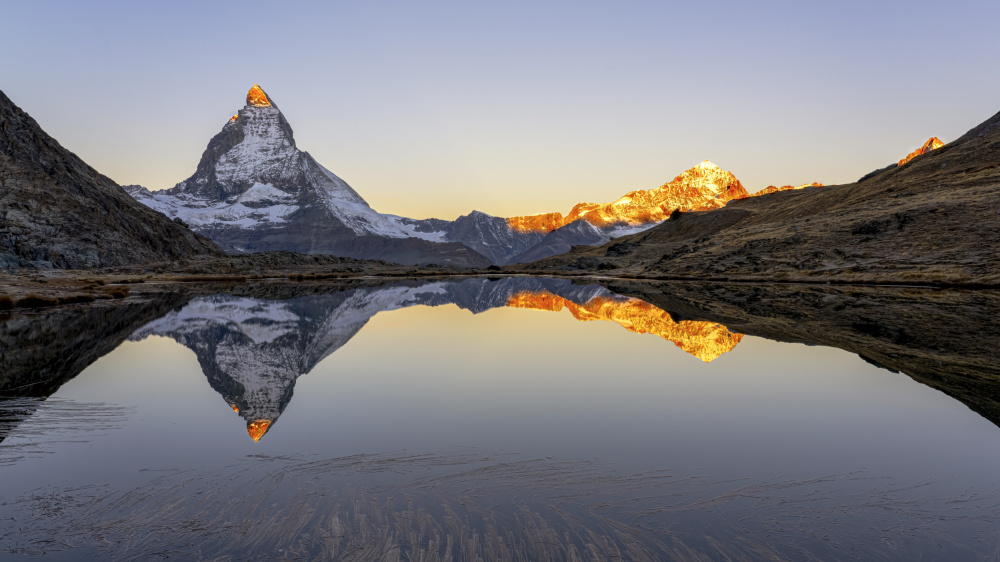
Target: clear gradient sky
{"type": "Point", "coordinates": [438, 108]}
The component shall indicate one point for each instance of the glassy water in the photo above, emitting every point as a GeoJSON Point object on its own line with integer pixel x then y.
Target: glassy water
{"type": "Point", "coordinates": [503, 419]}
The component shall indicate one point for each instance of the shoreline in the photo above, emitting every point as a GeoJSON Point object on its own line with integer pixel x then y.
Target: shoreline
{"type": "Point", "coordinates": [48, 288]}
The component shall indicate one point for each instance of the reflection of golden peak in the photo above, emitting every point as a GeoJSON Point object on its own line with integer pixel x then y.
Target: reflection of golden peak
{"type": "Point", "coordinates": [235, 408]}
{"type": "Point", "coordinates": [258, 428]}
{"type": "Point", "coordinates": [705, 340]}
{"type": "Point", "coordinates": [257, 98]}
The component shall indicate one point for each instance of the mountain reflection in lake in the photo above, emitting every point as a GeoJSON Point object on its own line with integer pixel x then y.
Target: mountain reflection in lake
{"type": "Point", "coordinates": [506, 434]}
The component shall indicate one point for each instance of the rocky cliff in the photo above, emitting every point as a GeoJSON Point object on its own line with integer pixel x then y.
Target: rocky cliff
{"type": "Point", "coordinates": [56, 211]}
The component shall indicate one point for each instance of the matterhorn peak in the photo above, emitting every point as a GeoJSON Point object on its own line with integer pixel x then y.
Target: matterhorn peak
{"type": "Point", "coordinates": [257, 98]}
{"type": "Point", "coordinates": [707, 165]}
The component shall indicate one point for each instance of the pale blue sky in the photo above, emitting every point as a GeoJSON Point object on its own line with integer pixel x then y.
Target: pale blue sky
{"type": "Point", "coordinates": [438, 108]}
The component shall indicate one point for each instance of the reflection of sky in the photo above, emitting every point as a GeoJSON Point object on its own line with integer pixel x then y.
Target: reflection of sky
{"type": "Point", "coordinates": [437, 108]}
{"type": "Point", "coordinates": [539, 384]}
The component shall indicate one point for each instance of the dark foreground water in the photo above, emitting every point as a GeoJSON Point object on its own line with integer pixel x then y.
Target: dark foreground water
{"type": "Point", "coordinates": [511, 419]}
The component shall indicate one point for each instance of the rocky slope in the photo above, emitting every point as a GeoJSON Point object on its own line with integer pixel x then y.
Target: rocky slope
{"type": "Point", "coordinates": [933, 220]}
{"type": "Point", "coordinates": [254, 190]}
{"type": "Point", "coordinates": [56, 211]}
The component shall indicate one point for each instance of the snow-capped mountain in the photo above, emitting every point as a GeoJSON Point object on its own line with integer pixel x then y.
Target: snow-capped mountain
{"type": "Point", "coordinates": [529, 238]}
{"type": "Point", "coordinates": [254, 190]}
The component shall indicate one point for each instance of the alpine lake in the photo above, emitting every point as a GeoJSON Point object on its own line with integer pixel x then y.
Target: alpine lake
{"type": "Point", "coordinates": [505, 418]}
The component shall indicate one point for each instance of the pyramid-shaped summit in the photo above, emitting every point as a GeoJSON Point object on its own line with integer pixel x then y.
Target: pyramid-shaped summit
{"type": "Point", "coordinates": [254, 190]}
{"type": "Point", "coordinates": [257, 98]}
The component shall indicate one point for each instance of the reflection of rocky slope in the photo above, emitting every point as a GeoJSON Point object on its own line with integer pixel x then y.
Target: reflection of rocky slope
{"type": "Point", "coordinates": [39, 351]}
{"type": "Point", "coordinates": [704, 340]}
{"type": "Point", "coordinates": [944, 339]}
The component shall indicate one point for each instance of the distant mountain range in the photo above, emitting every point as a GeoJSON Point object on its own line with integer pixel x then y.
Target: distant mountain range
{"type": "Point", "coordinates": [254, 190]}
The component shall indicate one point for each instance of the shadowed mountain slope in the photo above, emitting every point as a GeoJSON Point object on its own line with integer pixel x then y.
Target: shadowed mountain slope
{"type": "Point", "coordinates": [56, 211]}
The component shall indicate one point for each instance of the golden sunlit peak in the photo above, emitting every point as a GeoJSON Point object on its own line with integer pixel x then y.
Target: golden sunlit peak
{"type": "Point", "coordinates": [257, 98]}
{"type": "Point", "coordinates": [258, 428]}
{"type": "Point", "coordinates": [932, 143]}
{"type": "Point", "coordinates": [234, 118]}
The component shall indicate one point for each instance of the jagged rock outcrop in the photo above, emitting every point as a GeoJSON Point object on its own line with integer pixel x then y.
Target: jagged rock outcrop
{"type": "Point", "coordinates": [932, 143]}
{"type": "Point", "coordinates": [56, 211]}
{"type": "Point", "coordinates": [774, 189]}
{"type": "Point", "coordinates": [254, 190]}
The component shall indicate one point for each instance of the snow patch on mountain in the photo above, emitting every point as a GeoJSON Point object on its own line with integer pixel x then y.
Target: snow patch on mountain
{"type": "Point", "coordinates": [260, 205]}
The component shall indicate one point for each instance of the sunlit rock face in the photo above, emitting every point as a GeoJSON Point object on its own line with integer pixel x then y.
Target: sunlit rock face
{"type": "Point", "coordinates": [544, 223]}
{"type": "Point", "coordinates": [257, 98]}
{"type": "Point", "coordinates": [252, 350]}
{"type": "Point", "coordinates": [774, 189]}
{"type": "Point", "coordinates": [704, 340]}
{"type": "Point", "coordinates": [703, 187]}
{"type": "Point", "coordinates": [255, 190]}
{"type": "Point", "coordinates": [932, 143]}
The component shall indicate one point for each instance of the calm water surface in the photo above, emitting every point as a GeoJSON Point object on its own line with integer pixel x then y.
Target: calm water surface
{"type": "Point", "coordinates": [513, 419]}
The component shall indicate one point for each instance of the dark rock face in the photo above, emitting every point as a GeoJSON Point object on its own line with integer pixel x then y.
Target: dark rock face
{"type": "Point", "coordinates": [56, 211]}
{"type": "Point", "coordinates": [562, 239]}
{"type": "Point", "coordinates": [490, 236]}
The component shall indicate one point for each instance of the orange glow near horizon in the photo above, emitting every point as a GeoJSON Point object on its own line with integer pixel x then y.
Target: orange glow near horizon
{"type": "Point", "coordinates": [257, 428]}
{"type": "Point", "coordinates": [704, 340]}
